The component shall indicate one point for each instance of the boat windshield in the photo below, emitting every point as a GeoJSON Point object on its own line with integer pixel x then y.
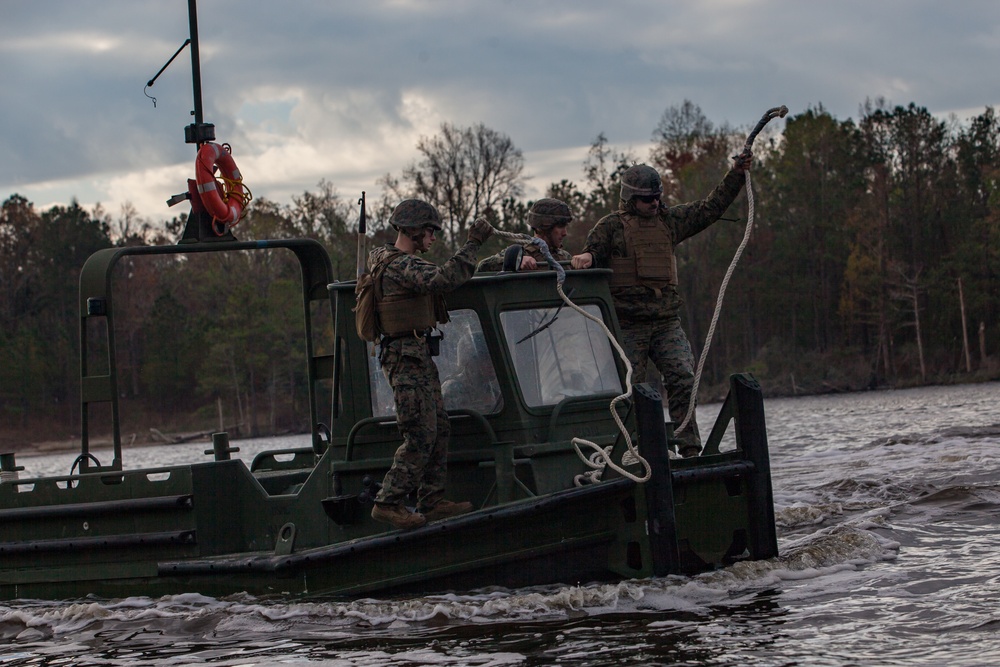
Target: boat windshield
{"type": "Point", "coordinates": [468, 377]}
{"type": "Point", "coordinates": [558, 353]}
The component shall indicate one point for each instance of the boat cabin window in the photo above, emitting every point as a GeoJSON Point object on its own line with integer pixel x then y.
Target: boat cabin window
{"type": "Point", "coordinates": [557, 353]}
{"type": "Point", "coordinates": [468, 377]}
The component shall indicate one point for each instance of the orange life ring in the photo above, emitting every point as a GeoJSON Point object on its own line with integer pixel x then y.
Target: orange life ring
{"type": "Point", "coordinates": [225, 207]}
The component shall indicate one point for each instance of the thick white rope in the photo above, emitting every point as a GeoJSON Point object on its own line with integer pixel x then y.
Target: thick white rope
{"type": "Point", "coordinates": [600, 456]}
{"type": "Point", "coordinates": [769, 115]}
{"type": "Point", "coordinates": [718, 306]}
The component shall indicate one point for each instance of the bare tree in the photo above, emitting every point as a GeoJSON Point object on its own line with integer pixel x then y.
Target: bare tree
{"type": "Point", "coordinates": [680, 134]}
{"type": "Point", "coordinates": [321, 215]}
{"type": "Point", "coordinates": [465, 173]}
{"type": "Point", "coordinates": [129, 228]}
{"type": "Point", "coordinates": [602, 171]}
{"type": "Point", "coordinates": [689, 152]}
{"type": "Point", "coordinates": [906, 288]}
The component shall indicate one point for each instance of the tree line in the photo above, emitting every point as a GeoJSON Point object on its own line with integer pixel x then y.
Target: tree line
{"type": "Point", "coordinates": [873, 263]}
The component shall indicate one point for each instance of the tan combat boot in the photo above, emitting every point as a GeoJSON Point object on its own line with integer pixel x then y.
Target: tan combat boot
{"type": "Point", "coordinates": [398, 516]}
{"type": "Point", "coordinates": [445, 508]}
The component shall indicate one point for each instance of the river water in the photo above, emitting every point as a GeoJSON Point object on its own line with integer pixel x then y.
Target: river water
{"type": "Point", "coordinates": [887, 508]}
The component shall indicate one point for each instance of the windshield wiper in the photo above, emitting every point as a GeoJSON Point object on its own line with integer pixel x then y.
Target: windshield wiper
{"type": "Point", "coordinates": [545, 325]}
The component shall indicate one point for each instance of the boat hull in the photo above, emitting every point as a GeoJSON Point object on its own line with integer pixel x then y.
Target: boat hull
{"type": "Point", "coordinates": [569, 537]}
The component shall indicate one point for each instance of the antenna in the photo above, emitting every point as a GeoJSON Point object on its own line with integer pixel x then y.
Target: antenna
{"type": "Point", "coordinates": [199, 131]}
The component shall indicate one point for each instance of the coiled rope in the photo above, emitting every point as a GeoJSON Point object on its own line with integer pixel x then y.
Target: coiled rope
{"type": "Point", "coordinates": [600, 456]}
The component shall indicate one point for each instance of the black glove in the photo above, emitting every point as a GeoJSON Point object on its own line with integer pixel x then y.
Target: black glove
{"type": "Point", "coordinates": [480, 231]}
{"type": "Point", "coordinates": [742, 162]}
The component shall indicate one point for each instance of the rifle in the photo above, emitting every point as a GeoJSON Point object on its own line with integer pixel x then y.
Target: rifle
{"type": "Point", "coordinates": [362, 259]}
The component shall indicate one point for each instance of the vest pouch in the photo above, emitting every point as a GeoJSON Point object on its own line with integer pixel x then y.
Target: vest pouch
{"type": "Point", "coordinates": [402, 314]}
{"type": "Point", "coordinates": [365, 319]}
{"type": "Point", "coordinates": [655, 262]}
{"type": "Point", "coordinates": [623, 273]}
{"type": "Point", "coordinates": [652, 247]}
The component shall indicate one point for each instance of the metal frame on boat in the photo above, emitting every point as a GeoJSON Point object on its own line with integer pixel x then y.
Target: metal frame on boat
{"type": "Point", "coordinates": [297, 522]}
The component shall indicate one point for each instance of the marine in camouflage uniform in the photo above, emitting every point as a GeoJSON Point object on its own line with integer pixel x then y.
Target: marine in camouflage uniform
{"type": "Point", "coordinates": [410, 303]}
{"type": "Point", "coordinates": [637, 243]}
{"type": "Point", "coordinates": [548, 219]}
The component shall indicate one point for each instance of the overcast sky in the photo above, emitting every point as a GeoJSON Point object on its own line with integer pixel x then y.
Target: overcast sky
{"type": "Point", "coordinates": [306, 90]}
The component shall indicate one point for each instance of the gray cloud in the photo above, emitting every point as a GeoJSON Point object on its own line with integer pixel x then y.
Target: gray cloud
{"type": "Point", "coordinates": [309, 89]}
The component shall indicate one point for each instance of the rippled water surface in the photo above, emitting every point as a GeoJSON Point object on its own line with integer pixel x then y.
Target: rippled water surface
{"type": "Point", "coordinates": [886, 502]}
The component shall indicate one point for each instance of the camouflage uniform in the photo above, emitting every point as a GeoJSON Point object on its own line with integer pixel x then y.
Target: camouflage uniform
{"type": "Point", "coordinates": [650, 323]}
{"type": "Point", "coordinates": [544, 215]}
{"type": "Point", "coordinates": [420, 462]}
{"type": "Point", "coordinates": [495, 262]}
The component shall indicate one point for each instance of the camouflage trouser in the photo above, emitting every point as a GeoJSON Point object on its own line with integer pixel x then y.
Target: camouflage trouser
{"type": "Point", "coordinates": [665, 343]}
{"type": "Point", "coordinates": [420, 463]}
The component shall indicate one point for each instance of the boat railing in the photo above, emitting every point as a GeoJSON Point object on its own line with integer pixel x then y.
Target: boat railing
{"type": "Point", "coordinates": [99, 384]}
{"type": "Point", "coordinates": [364, 424]}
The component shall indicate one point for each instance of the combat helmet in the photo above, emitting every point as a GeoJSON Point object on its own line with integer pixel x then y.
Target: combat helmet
{"type": "Point", "coordinates": [547, 213]}
{"type": "Point", "coordinates": [640, 180]}
{"type": "Point", "coordinates": [415, 214]}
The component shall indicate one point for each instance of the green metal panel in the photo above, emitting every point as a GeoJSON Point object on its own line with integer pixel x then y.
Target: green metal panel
{"type": "Point", "coordinates": [96, 302]}
{"type": "Point", "coordinates": [301, 525]}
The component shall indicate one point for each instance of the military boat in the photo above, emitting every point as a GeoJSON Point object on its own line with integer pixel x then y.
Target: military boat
{"type": "Point", "coordinates": [524, 377]}
{"type": "Point", "coordinates": [526, 380]}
